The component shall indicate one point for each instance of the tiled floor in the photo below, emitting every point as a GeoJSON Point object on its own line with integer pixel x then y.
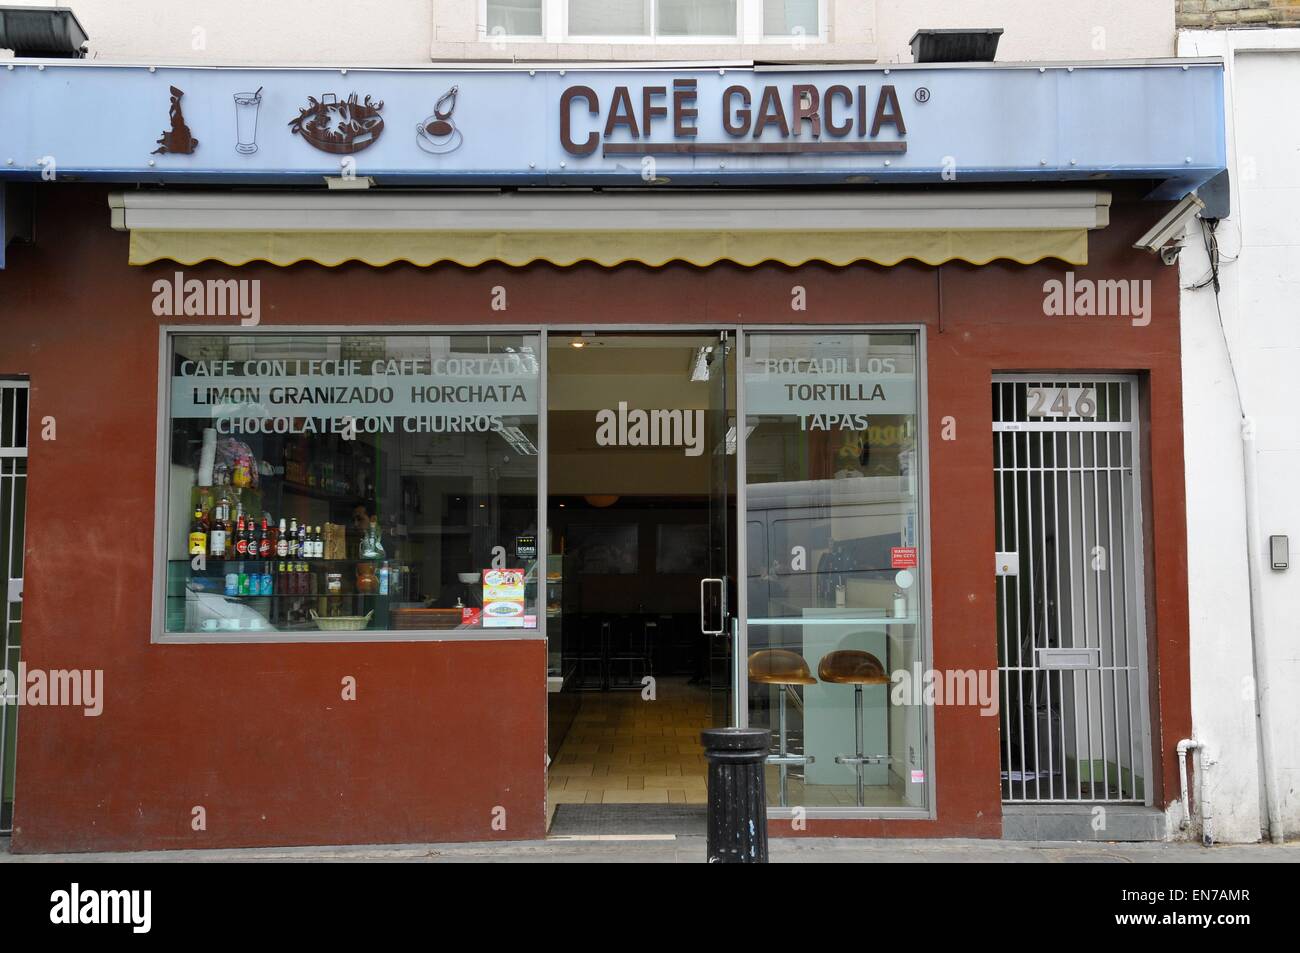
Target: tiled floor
{"type": "Point", "coordinates": [623, 749]}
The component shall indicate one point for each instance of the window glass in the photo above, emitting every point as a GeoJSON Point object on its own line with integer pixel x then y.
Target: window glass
{"type": "Point", "coordinates": [835, 594]}
{"type": "Point", "coordinates": [514, 18]}
{"type": "Point", "coordinates": [790, 18]}
{"type": "Point", "coordinates": [609, 17]}
{"type": "Point", "coordinates": [697, 17]}
{"type": "Point", "coordinates": [339, 483]}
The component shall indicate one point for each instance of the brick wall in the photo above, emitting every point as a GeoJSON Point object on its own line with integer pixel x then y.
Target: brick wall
{"type": "Point", "coordinates": [1226, 14]}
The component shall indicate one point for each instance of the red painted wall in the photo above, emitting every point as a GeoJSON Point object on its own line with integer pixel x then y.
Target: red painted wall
{"type": "Point", "coordinates": [443, 733]}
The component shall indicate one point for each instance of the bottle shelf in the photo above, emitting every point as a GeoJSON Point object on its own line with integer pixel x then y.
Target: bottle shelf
{"type": "Point", "coordinates": [312, 563]}
{"type": "Point", "coordinates": [312, 595]}
{"type": "Point", "coordinates": [322, 493]}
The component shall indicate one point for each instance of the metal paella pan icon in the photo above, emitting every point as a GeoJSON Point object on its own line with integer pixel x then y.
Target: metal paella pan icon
{"type": "Point", "coordinates": [341, 128]}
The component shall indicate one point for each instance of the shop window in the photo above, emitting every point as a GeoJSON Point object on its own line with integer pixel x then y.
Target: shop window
{"type": "Point", "coordinates": [336, 486]}
{"type": "Point", "coordinates": [836, 601]}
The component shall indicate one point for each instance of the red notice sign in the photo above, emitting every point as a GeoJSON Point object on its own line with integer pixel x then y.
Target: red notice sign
{"type": "Point", "coordinates": [902, 557]}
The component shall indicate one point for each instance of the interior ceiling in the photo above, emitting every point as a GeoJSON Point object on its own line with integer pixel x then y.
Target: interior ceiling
{"type": "Point", "coordinates": [646, 371]}
{"type": "Point", "coordinates": [594, 360]}
{"type": "Point", "coordinates": [624, 353]}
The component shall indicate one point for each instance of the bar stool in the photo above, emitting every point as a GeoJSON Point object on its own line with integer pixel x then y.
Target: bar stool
{"type": "Point", "coordinates": [782, 668]}
{"type": "Point", "coordinates": [856, 668]}
{"type": "Point", "coordinates": [591, 654]}
{"type": "Point", "coordinates": [630, 647]}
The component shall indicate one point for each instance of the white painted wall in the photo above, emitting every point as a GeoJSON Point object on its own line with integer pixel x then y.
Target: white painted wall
{"type": "Point", "coordinates": [1260, 303]}
{"type": "Point", "coordinates": [1036, 29]}
{"type": "Point", "coordinates": [265, 32]}
{"type": "Point", "coordinates": [409, 32]}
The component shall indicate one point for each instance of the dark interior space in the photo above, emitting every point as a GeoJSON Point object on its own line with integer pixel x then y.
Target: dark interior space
{"type": "Point", "coordinates": [631, 575]}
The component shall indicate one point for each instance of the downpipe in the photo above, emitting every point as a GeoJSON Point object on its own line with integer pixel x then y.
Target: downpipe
{"type": "Point", "coordinates": [1185, 747]}
{"type": "Point", "coordinates": [1259, 645]}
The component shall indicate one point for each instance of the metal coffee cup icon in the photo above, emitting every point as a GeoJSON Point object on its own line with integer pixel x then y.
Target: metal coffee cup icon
{"type": "Point", "coordinates": [437, 134]}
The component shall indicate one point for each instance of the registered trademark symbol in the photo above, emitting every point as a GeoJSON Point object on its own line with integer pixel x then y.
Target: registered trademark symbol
{"type": "Point", "coordinates": [922, 95]}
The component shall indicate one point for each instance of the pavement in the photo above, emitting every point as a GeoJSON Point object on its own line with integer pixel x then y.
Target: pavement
{"type": "Point", "coordinates": [668, 849]}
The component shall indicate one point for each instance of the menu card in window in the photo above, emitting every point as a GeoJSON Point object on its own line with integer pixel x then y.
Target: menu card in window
{"type": "Point", "coordinates": [503, 598]}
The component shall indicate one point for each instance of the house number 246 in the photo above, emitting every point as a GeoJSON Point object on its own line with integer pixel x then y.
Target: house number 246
{"type": "Point", "coordinates": [1061, 401]}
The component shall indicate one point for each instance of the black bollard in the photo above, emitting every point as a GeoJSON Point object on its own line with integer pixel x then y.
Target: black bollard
{"type": "Point", "coordinates": [737, 794]}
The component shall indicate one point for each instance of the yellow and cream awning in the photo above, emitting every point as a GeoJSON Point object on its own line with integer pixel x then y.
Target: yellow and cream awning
{"type": "Point", "coordinates": [649, 226]}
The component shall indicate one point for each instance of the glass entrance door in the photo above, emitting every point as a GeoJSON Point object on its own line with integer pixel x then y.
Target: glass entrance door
{"type": "Point", "coordinates": [719, 618]}
{"type": "Point", "coordinates": [640, 607]}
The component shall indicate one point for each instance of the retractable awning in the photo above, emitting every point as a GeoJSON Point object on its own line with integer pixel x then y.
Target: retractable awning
{"type": "Point", "coordinates": [651, 227]}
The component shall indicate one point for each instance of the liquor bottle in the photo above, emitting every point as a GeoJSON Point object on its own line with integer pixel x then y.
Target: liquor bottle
{"type": "Point", "coordinates": [217, 534]}
{"type": "Point", "coordinates": [317, 546]}
{"type": "Point", "coordinates": [240, 543]}
{"type": "Point", "coordinates": [293, 538]}
{"type": "Point", "coordinates": [264, 544]}
{"type": "Point", "coordinates": [303, 552]}
{"type": "Point", "coordinates": [198, 535]}
{"type": "Point", "coordinates": [281, 544]}
{"type": "Point", "coordinates": [226, 518]}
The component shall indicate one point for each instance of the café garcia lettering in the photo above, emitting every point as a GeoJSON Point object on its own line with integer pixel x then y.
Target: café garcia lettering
{"type": "Point", "coordinates": [660, 120]}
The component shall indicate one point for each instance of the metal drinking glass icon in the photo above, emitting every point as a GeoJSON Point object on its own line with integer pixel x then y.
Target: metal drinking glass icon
{"type": "Point", "coordinates": [437, 134]}
{"type": "Point", "coordinates": [246, 106]}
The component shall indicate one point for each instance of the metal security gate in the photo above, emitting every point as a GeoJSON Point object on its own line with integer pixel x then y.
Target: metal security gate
{"type": "Point", "coordinates": [1071, 603]}
{"type": "Point", "coordinates": [13, 498]}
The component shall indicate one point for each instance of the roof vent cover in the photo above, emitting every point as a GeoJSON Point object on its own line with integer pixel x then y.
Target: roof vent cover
{"type": "Point", "coordinates": [955, 46]}
{"type": "Point", "coordinates": [42, 32]}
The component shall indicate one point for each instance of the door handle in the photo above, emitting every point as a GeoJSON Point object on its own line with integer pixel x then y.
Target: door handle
{"type": "Point", "coordinates": [719, 603]}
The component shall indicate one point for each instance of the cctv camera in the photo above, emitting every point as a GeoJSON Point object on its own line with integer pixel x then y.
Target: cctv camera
{"type": "Point", "coordinates": [1171, 227]}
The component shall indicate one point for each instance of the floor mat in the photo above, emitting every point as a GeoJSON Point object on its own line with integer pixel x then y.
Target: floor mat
{"type": "Point", "coordinates": [596, 819]}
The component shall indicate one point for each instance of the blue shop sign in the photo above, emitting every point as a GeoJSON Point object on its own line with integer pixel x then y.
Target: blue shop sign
{"type": "Point", "coordinates": [588, 127]}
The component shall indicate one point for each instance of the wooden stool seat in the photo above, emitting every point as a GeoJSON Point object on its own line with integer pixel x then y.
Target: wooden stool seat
{"type": "Point", "coordinates": [783, 669]}
{"type": "Point", "coordinates": [852, 667]}
{"type": "Point", "coordinates": [779, 667]}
